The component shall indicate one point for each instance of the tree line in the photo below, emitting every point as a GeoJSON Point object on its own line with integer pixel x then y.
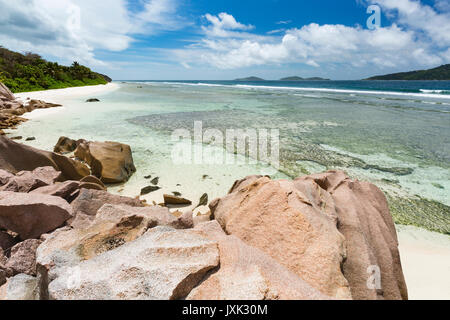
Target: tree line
{"type": "Point", "coordinates": [30, 72]}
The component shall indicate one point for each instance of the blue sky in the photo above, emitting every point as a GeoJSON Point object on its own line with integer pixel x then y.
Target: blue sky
{"type": "Point", "coordinates": [202, 40]}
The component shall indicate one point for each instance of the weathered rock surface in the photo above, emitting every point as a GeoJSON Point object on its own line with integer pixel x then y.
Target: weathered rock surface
{"type": "Point", "coordinates": [6, 93]}
{"type": "Point", "coordinates": [65, 145]}
{"type": "Point", "coordinates": [201, 214]}
{"type": "Point", "coordinates": [93, 180]}
{"type": "Point", "coordinates": [371, 238]}
{"type": "Point", "coordinates": [31, 215]}
{"type": "Point", "coordinates": [7, 241]}
{"type": "Point", "coordinates": [162, 264]}
{"type": "Point", "coordinates": [289, 224]}
{"type": "Point", "coordinates": [23, 257]}
{"type": "Point", "coordinates": [5, 272]}
{"type": "Point", "coordinates": [246, 273]}
{"type": "Point", "coordinates": [112, 162]}
{"type": "Point", "coordinates": [39, 104]}
{"type": "Point", "coordinates": [26, 181]}
{"type": "Point", "coordinates": [5, 176]}
{"type": "Point", "coordinates": [20, 287]}
{"type": "Point", "coordinates": [149, 189]}
{"type": "Point", "coordinates": [112, 227]}
{"type": "Point", "coordinates": [174, 200]}
{"type": "Point", "coordinates": [203, 200]}
{"type": "Point", "coordinates": [186, 220]}
{"type": "Point", "coordinates": [2, 278]}
{"type": "Point", "coordinates": [63, 190]}
{"type": "Point", "coordinates": [16, 157]}
{"type": "Point", "coordinates": [11, 109]}
{"type": "Point", "coordinates": [89, 201]}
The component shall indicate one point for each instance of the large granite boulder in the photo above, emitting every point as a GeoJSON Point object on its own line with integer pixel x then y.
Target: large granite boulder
{"type": "Point", "coordinates": [6, 93]}
{"type": "Point", "coordinates": [26, 181]}
{"type": "Point", "coordinates": [162, 264]}
{"type": "Point", "coordinates": [23, 257]}
{"type": "Point", "coordinates": [16, 157]}
{"type": "Point", "coordinates": [247, 273]}
{"type": "Point", "coordinates": [31, 215]}
{"type": "Point", "coordinates": [112, 162]}
{"type": "Point", "coordinates": [68, 190]}
{"type": "Point", "coordinates": [20, 287]}
{"type": "Point", "coordinates": [89, 201]}
{"type": "Point", "coordinates": [65, 145]}
{"type": "Point", "coordinates": [154, 215]}
{"type": "Point", "coordinates": [5, 176]}
{"type": "Point", "coordinates": [39, 104]}
{"type": "Point", "coordinates": [112, 227]}
{"type": "Point", "coordinates": [371, 238]}
{"type": "Point", "coordinates": [289, 225]}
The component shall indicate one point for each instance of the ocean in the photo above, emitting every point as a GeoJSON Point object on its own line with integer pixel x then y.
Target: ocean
{"type": "Point", "coordinates": [395, 134]}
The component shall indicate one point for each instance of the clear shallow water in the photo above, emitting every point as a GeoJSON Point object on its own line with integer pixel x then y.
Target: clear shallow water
{"type": "Point", "coordinates": [393, 133]}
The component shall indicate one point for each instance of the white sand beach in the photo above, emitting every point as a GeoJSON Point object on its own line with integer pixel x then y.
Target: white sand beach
{"type": "Point", "coordinates": [425, 255]}
{"type": "Point", "coordinates": [425, 259]}
{"type": "Point", "coordinates": [60, 96]}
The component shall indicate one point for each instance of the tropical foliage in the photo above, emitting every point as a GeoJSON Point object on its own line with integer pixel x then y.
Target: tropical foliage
{"type": "Point", "coordinates": [30, 72]}
{"type": "Point", "coordinates": [439, 73]}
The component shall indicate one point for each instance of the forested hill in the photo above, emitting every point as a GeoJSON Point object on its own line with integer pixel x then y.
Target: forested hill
{"type": "Point", "coordinates": [439, 73]}
{"type": "Point", "coordinates": [30, 72]}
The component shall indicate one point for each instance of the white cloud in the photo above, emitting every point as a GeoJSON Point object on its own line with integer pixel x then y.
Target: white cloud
{"type": "Point", "coordinates": [422, 18]}
{"type": "Point", "coordinates": [319, 45]}
{"type": "Point", "coordinates": [224, 25]}
{"type": "Point", "coordinates": [284, 22]}
{"type": "Point", "coordinates": [74, 29]}
{"type": "Point", "coordinates": [276, 31]}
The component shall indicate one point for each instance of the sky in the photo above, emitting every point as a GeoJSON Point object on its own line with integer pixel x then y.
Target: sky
{"type": "Point", "coordinates": [228, 39]}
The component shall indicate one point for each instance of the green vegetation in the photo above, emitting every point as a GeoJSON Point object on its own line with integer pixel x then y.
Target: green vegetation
{"type": "Point", "coordinates": [439, 73]}
{"type": "Point", "coordinates": [29, 72]}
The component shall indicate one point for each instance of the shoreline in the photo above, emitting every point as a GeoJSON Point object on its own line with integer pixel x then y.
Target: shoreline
{"type": "Point", "coordinates": [425, 255]}
{"type": "Point", "coordinates": [62, 95]}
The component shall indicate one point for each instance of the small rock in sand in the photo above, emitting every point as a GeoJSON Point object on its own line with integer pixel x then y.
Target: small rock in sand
{"type": "Point", "coordinates": [169, 199]}
{"type": "Point", "coordinates": [93, 100]}
{"type": "Point", "coordinates": [203, 200]}
{"type": "Point", "coordinates": [155, 181]}
{"type": "Point", "coordinates": [149, 189]}
{"type": "Point", "coordinates": [30, 139]}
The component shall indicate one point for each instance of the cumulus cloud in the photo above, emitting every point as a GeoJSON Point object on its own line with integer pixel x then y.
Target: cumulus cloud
{"type": "Point", "coordinates": [224, 25]}
{"type": "Point", "coordinates": [74, 29]}
{"type": "Point", "coordinates": [408, 43]}
{"type": "Point", "coordinates": [422, 18]}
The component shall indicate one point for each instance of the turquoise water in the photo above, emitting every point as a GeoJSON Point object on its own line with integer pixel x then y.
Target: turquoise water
{"type": "Point", "coordinates": [395, 134]}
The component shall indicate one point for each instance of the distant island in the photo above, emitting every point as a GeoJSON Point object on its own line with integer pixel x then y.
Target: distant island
{"type": "Point", "coordinates": [439, 73]}
{"type": "Point", "coordinates": [295, 78]}
{"type": "Point", "coordinates": [30, 72]}
{"type": "Point", "coordinates": [250, 79]}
